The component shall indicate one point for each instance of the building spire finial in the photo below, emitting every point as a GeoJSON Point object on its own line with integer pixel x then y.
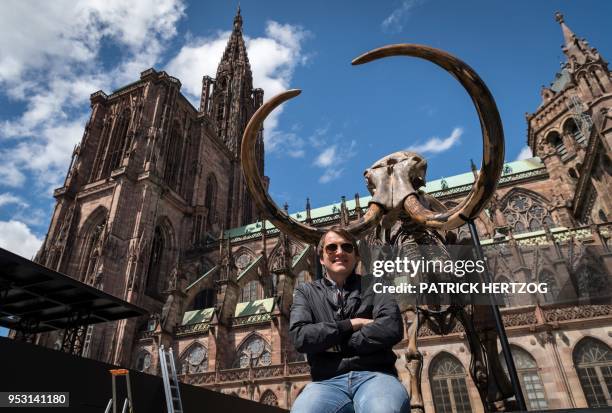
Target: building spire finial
{"type": "Point", "coordinates": [238, 19]}
{"type": "Point", "coordinates": [568, 35]}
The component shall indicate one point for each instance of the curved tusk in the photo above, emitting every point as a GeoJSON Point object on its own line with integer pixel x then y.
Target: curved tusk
{"type": "Point", "coordinates": [282, 221]}
{"type": "Point", "coordinates": [492, 136]}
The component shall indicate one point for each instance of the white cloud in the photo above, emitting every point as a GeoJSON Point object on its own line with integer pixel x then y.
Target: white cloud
{"type": "Point", "coordinates": [16, 237]}
{"type": "Point", "coordinates": [395, 21]}
{"type": "Point", "coordinates": [54, 35]}
{"type": "Point", "coordinates": [330, 174]}
{"type": "Point", "coordinates": [437, 145]}
{"type": "Point", "coordinates": [7, 198]}
{"type": "Point", "coordinates": [318, 138]}
{"type": "Point", "coordinates": [332, 160]}
{"type": "Point", "coordinates": [50, 61]}
{"type": "Point", "coordinates": [525, 153]}
{"type": "Point", "coordinates": [9, 172]}
{"type": "Point", "coordinates": [273, 60]}
{"type": "Point", "coordinates": [327, 157]}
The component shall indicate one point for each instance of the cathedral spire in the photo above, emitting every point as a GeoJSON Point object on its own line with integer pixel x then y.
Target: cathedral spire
{"type": "Point", "coordinates": [235, 53]}
{"type": "Point", "coordinates": [578, 51]}
{"type": "Point", "coordinates": [568, 36]}
{"type": "Point", "coordinates": [238, 20]}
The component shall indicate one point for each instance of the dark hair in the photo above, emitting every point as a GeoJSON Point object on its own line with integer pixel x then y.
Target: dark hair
{"type": "Point", "coordinates": [340, 231]}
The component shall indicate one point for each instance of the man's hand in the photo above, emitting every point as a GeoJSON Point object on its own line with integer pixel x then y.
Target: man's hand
{"type": "Point", "coordinates": [357, 323]}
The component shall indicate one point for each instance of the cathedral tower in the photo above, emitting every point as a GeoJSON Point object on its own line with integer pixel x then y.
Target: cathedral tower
{"type": "Point", "coordinates": [152, 181]}
{"type": "Point", "coordinates": [572, 132]}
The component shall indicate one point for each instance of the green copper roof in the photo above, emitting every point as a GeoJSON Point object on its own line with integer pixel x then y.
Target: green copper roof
{"type": "Point", "coordinates": [198, 316]}
{"type": "Point", "coordinates": [254, 307]}
{"type": "Point", "coordinates": [467, 178]}
{"type": "Point", "coordinates": [510, 169]}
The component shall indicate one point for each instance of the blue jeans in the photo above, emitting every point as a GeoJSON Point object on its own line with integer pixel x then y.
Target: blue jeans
{"type": "Point", "coordinates": [354, 392]}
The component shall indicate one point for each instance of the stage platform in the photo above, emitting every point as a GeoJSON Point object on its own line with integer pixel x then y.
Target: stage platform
{"type": "Point", "coordinates": [27, 367]}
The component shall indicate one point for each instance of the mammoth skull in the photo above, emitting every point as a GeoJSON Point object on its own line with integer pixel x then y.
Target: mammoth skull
{"type": "Point", "coordinates": [395, 179]}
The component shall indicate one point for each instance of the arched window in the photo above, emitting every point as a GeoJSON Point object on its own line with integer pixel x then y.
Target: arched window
{"type": "Point", "coordinates": [253, 352]}
{"type": "Point", "coordinates": [211, 197]}
{"type": "Point", "coordinates": [526, 214]}
{"type": "Point", "coordinates": [194, 359]}
{"type": "Point", "coordinates": [155, 263]}
{"type": "Point", "coordinates": [552, 294]}
{"type": "Point", "coordinates": [89, 253]}
{"type": "Point", "coordinates": [174, 156]}
{"type": "Point", "coordinates": [571, 129]}
{"type": "Point", "coordinates": [531, 383]}
{"type": "Point", "coordinates": [92, 252]}
{"type": "Point", "coordinates": [204, 299]}
{"type": "Point", "coordinates": [143, 361]}
{"type": "Point", "coordinates": [250, 292]}
{"type": "Point", "coordinates": [118, 142]}
{"type": "Point", "coordinates": [269, 398]}
{"type": "Point", "coordinates": [591, 282]}
{"type": "Point", "coordinates": [593, 362]}
{"type": "Point", "coordinates": [554, 139]}
{"type": "Point", "coordinates": [448, 386]}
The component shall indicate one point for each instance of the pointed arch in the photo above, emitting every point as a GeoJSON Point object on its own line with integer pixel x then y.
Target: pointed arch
{"type": "Point", "coordinates": [529, 377]}
{"type": "Point", "coordinates": [254, 351]}
{"type": "Point", "coordinates": [194, 359]}
{"type": "Point", "coordinates": [160, 258]}
{"type": "Point", "coordinates": [174, 156]}
{"type": "Point", "coordinates": [593, 362]}
{"type": "Point", "coordinates": [448, 384]}
{"type": "Point", "coordinates": [117, 144]}
{"type": "Point", "coordinates": [244, 257]}
{"type": "Point", "coordinates": [572, 131]}
{"type": "Point", "coordinates": [554, 139]}
{"type": "Point", "coordinates": [269, 398]}
{"type": "Point", "coordinates": [525, 210]}
{"type": "Point", "coordinates": [89, 239]}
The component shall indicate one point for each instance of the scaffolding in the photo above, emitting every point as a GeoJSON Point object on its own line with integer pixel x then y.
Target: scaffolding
{"type": "Point", "coordinates": [583, 120]}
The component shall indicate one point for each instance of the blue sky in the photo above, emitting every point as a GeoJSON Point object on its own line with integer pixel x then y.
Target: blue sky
{"type": "Point", "coordinates": [53, 55]}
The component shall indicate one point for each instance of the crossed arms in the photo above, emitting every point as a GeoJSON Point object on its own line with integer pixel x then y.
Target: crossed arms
{"type": "Point", "coordinates": [359, 336]}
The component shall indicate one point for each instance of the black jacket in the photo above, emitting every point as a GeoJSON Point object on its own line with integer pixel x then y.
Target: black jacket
{"type": "Point", "coordinates": [321, 328]}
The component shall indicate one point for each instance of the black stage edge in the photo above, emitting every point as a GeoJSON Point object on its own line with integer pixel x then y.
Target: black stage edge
{"type": "Point", "coordinates": [27, 367]}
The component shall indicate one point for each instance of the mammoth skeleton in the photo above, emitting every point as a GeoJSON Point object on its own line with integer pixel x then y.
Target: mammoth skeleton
{"type": "Point", "coordinates": [394, 182]}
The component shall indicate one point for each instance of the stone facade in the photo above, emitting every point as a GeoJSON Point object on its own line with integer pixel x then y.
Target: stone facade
{"type": "Point", "coordinates": [155, 182]}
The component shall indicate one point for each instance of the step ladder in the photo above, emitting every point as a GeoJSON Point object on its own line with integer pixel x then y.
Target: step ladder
{"type": "Point", "coordinates": [171, 384]}
{"type": "Point", "coordinates": [127, 404]}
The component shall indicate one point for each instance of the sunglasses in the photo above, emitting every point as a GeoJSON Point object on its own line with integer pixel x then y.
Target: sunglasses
{"type": "Point", "coordinates": [346, 247]}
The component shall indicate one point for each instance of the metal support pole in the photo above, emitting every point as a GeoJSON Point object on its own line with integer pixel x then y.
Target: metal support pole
{"type": "Point", "coordinates": [499, 324]}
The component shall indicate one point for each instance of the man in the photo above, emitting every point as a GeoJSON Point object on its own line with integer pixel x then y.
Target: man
{"type": "Point", "coordinates": [348, 333]}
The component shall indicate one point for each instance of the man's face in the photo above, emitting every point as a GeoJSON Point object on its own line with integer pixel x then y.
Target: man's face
{"type": "Point", "coordinates": [336, 259]}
